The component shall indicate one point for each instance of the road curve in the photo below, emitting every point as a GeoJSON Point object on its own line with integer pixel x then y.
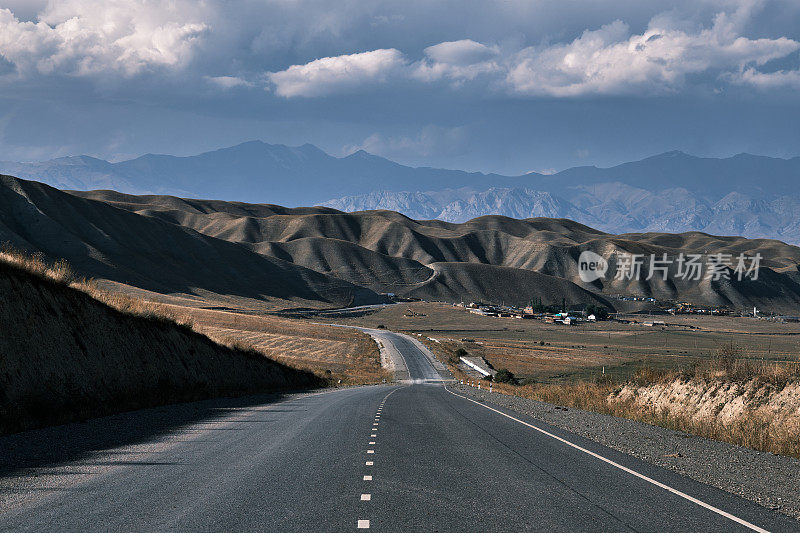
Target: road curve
{"type": "Point", "coordinates": [403, 457]}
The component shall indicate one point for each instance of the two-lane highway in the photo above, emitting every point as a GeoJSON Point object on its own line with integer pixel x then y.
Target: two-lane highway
{"type": "Point", "coordinates": [409, 457]}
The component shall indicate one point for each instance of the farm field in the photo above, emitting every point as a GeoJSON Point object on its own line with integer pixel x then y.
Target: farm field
{"type": "Point", "coordinates": [555, 353]}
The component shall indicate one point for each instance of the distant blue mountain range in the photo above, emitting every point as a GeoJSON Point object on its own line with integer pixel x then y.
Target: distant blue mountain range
{"type": "Point", "coordinates": [753, 196]}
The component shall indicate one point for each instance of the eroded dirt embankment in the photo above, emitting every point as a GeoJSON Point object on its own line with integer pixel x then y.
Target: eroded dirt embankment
{"type": "Point", "coordinates": [65, 356]}
{"type": "Point", "coordinates": [749, 410]}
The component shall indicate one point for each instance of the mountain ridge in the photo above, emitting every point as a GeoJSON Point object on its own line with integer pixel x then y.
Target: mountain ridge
{"type": "Point", "coordinates": [288, 257]}
{"type": "Point", "coordinates": [745, 194]}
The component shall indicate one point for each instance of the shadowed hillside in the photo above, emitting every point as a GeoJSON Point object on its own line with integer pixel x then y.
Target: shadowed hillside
{"type": "Point", "coordinates": [103, 241]}
{"type": "Point", "coordinates": [66, 356]}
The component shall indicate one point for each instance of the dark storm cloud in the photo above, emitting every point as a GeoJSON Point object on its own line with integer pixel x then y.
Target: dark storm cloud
{"type": "Point", "coordinates": [427, 83]}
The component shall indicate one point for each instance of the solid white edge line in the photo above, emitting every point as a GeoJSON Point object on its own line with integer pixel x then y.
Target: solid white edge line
{"type": "Point", "coordinates": [703, 504]}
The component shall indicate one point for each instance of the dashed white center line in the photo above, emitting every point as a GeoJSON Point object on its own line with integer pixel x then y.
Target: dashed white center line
{"type": "Point", "coordinates": [364, 524]}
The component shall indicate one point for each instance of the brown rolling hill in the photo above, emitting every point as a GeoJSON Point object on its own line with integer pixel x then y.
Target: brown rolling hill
{"type": "Point", "coordinates": [490, 258]}
{"type": "Point", "coordinates": [103, 241]}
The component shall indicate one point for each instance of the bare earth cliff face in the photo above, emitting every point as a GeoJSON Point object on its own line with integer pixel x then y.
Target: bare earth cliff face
{"type": "Point", "coordinates": [724, 404]}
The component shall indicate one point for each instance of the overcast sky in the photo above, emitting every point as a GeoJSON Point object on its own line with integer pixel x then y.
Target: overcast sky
{"type": "Point", "coordinates": [493, 86]}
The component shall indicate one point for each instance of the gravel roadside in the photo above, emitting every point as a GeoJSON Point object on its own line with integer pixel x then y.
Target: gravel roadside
{"type": "Point", "coordinates": [770, 480]}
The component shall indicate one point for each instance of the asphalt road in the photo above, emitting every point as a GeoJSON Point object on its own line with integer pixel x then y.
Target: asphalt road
{"type": "Point", "coordinates": [401, 457]}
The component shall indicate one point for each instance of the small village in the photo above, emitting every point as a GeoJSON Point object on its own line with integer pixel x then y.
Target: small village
{"type": "Point", "coordinates": [592, 313]}
{"type": "Point", "coordinates": [567, 318]}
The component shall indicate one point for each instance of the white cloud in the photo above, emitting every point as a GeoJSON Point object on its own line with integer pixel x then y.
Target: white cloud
{"type": "Point", "coordinates": [695, 41]}
{"type": "Point", "coordinates": [228, 82]}
{"type": "Point", "coordinates": [431, 140]}
{"type": "Point", "coordinates": [789, 79]}
{"type": "Point", "coordinates": [611, 61]}
{"type": "Point", "coordinates": [82, 37]}
{"type": "Point", "coordinates": [335, 74]}
{"type": "Point", "coordinates": [464, 52]}
{"type": "Point", "coordinates": [457, 60]}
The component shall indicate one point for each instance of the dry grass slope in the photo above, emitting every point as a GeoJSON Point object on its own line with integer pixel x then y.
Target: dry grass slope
{"type": "Point", "coordinates": [66, 355]}
{"type": "Point", "coordinates": [336, 354]}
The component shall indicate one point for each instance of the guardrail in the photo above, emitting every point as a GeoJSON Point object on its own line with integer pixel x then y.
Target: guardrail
{"type": "Point", "coordinates": [475, 367]}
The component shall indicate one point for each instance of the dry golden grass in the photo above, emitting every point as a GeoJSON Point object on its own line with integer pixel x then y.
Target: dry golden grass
{"type": "Point", "coordinates": [337, 354]}
{"type": "Point", "coordinates": [60, 271]}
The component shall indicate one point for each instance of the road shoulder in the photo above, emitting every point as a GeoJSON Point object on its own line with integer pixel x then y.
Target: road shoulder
{"type": "Point", "coordinates": [764, 478]}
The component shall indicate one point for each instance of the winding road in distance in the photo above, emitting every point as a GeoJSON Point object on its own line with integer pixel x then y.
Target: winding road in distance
{"type": "Point", "coordinates": [409, 456]}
